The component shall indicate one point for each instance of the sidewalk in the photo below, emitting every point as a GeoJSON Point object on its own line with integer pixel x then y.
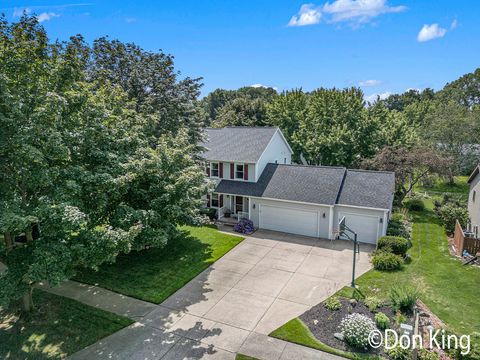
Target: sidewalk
{"type": "Point", "coordinates": [163, 333]}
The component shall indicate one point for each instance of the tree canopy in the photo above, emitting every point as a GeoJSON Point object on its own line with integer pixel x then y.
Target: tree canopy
{"type": "Point", "coordinates": [93, 163]}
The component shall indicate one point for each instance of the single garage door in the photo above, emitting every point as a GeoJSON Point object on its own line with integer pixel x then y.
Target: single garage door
{"type": "Point", "coordinates": [365, 226]}
{"type": "Point", "coordinates": [290, 220]}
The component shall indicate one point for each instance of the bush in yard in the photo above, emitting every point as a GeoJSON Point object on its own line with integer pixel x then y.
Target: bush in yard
{"type": "Point", "coordinates": [424, 354]}
{"type": "Point", "coordinates": [373, 303]}
{"type": "Point", "coordinates": [414, 204]}
{"type": "Point", "coordinates": [399, 353]}
{"type": "Point", "coordinates": [450, 212]}
{"type": "Point", "coordinates": [386, 261]}
{"type": "Point", "coordinates": [398, 226]}
{"type": "Point", "coordinates": [355, 329]}
{"type": "Point", "coordinates": [332, 304]}
{"type": "Point", "coordinates": [403, 297]}
{"type": "Point", "coordinates": [244, 226]}
{"type": "Point", "coordinates": [382, 321]}
{"type": "Point", "coordinates": [210, 212]}
{"type": "Point", "coordinates": [395, 244]}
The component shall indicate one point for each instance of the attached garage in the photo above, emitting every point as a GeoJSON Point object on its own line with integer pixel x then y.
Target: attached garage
{"type": "Point", "coordinates": [367, 227]}
{"type": "Point", "coordinates": [289, 219]}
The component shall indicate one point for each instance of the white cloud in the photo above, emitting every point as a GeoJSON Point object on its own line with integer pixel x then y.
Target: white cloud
{"type": "Point", "coordinates": [454, 24]}
{"type": "Point", "coordinates": [430, 32]}
{"type": "Point", "coordinates": [309, 14]}
{"type": "Point", "coordinates": [263, 86]}
{"type": "Point", "coordinates": [45, 16]}
{"type": "Point", "coordinates": [359, 11]}
{"type": "Point", "coordinates": [354, 11]}
{"type": "Point", "coordinates": [373, 97]}
{"type": "Point", "coordinates": [18, 12]}
{"type": "Point", "coordinates": [369, 83]}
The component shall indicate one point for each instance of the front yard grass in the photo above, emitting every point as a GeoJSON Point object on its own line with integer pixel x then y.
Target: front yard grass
{"type": "Point", "coordinates": [155, 274]}
{"type": "Point", "coordinates": [57, 327]}
{"type": "Point", "coordinates": [450, 289]}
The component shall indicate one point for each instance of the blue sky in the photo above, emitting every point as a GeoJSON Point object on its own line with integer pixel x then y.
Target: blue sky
{"type": "Point", "coordinates": [383, 46]}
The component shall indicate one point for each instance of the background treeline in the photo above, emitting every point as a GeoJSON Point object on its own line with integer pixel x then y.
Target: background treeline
{"type": "Point", "coordinates": [337, 126]}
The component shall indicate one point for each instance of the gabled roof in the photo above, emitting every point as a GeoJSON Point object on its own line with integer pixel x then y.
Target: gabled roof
{"type": "Point", "coordinates": [374, 189]}
{"type": "Point", "coordinates": [473, 174]}
{"type": "Point", "coordinates": [243, 144]}
{"type": "Point", "coordinates": [326, 185]}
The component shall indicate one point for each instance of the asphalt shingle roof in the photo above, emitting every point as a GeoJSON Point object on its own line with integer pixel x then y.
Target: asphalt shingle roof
{"type": "Point", "coordinates": [373, 189]}
{"type": "Point", "coordinates": [318, 185]}
{"type": "Point", "coordinates": [245, 144]}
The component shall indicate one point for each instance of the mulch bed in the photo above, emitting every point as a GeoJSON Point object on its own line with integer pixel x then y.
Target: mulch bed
{"type": "Point", "coordinates": [324, 323]}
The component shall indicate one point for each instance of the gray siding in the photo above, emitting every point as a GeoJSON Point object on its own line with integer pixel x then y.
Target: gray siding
{"type": "Point", "coordinates": [474, 206]}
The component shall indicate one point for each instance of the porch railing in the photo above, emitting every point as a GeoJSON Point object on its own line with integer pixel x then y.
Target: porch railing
{"type": "Point", "coordinates": [221, 211]}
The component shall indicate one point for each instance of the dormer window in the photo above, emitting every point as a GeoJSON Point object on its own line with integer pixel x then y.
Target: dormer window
{"type": "Point", "coordinates": [239, 171]}
{"type": "Point", "coordinates": [214, 169]}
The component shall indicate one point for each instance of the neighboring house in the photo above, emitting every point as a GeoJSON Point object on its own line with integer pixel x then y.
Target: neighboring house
{"type": "Point", "coordinates": [256, 180]}
{"type": "Point", "coordinates": [474, 202]}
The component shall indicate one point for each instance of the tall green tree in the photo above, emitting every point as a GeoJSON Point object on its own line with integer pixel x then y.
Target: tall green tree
{"type": "Point", "coordinates": [464, 91]}
{"type": "Point", "coordinates": [81, 164]}
{"type": "Point", "coordinates": [150, 81]}
{"type": "Point", "coordinates": [287, 111]}
{"type": "Point", "coordinates": [336, 129]}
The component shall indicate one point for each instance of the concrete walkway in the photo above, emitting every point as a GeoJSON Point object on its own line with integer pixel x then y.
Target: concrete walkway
{"type": "Point", "coordinates": [232, 306]}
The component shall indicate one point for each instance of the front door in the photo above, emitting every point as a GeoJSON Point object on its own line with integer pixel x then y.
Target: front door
{"type": "Point", "coordinates": [238, 204]}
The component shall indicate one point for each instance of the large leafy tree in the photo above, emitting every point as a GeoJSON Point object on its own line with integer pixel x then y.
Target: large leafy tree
{"type": "Point", "coordinates": [336, 129]}
{"type": "Point", "coordinates": [410, 165]}
{"type": "Point", "coordinates": [242, 107]}
{"type": "Point", "coordinates": [84, 174]}
{"type": "Point", "coordinates": [465, 90]}
{"type": "Point", "coordinates": [150, 81]}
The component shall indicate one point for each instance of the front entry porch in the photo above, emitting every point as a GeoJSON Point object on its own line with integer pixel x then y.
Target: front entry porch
{"type": "Point", "coordinates": [235, 208]}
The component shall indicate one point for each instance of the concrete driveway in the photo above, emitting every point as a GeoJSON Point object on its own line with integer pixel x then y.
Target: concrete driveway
{"type": "Point", "coordinates": [233, 305]}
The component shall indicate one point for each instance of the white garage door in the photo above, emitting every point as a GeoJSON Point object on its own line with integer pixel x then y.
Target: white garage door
{"type": "Point", "coordinates": [366, 227]}
{"type": "Point", "coordinates": [294, 221]}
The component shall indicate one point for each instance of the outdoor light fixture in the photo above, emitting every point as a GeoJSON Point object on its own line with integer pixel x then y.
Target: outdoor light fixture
{"type": "Point", "coordinates": [381, 220]}
{"type": "Point", "coordinates": [253, 206]}
{"type": "Point", "coordinates": [324, 215]}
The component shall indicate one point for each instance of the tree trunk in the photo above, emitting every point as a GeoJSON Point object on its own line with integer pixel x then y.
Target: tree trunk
{"type": "Point", "coordinates": [7, 236]}
{"type": "Point", "coordinates": [27, 304]}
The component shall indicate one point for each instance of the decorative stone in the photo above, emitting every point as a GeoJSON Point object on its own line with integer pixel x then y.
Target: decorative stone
{"type": "Point", "coordinates": [315, 322]}
{"type": "Point", "coordinates": [353, 302]}
{"type": "Point", "coordinates": [338, 336]}
{"type": "Point", "coordinates": [423, 314]}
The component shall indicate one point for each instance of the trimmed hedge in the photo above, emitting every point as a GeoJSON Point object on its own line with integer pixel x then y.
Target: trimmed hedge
{"type": "Point", "coordinates": [386, 261]}
{"type": "Point", "coordinates": [395, 244]}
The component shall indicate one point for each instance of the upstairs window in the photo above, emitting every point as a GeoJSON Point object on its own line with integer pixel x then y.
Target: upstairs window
{"type": "Point", "coordinates": [214, 200]}
{"type": "Point", "coordinates": [214, 169]}
{"type": "Point", "coordinates": [239, 171]}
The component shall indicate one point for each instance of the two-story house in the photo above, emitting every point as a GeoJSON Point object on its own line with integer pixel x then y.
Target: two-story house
{"type": "Point", "coordinates": [255, 179]}
{"type": "Point", "coordinates": [474, 202]}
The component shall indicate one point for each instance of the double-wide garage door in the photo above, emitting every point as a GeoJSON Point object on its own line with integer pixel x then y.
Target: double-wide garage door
{"type": "Point", "coordinates": [290, 220]}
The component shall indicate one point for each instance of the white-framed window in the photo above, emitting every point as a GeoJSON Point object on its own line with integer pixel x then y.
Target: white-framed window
{"type": "Point", "coordinates": [239, 171]}
{"type": "Point", "coordinates": [215, 201]}
{"type": "Point", "coordinates": [214, 169]}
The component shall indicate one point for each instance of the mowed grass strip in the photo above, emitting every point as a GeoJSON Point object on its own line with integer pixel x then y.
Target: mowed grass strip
{"type": "Point", "coordinates": [155, 274]}
{"type": "Point", "coordinates": [58, 327]}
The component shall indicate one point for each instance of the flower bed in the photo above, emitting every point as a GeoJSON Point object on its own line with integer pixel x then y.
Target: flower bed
{"type": "Point", "coordinates": [324, 323]}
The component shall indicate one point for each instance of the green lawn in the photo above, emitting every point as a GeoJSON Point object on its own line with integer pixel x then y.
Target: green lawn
{"type": "Point", "coordinates": [153, 275]}
{"type": "Point", "coordinates": [57, 328]}
{"type": "Point", "coordinates": [449, 289]}
{"type": "Point", "coordinates": [460, 186]}
{"type": "Point", "coordinates": [244, 357]}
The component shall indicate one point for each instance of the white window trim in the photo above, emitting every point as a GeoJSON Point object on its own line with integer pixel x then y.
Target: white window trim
{"type": "Point", "coordinates": [211, 169]}
{"type": "Point", "coordinates": [235, 171]}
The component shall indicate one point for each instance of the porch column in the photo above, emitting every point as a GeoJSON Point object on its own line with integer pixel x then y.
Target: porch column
{"type": "Point", "coordinates": [249, 204]}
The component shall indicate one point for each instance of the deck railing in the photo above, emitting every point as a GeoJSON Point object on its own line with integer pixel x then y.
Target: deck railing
{"type": "Point", "coordinates": [242, 215]}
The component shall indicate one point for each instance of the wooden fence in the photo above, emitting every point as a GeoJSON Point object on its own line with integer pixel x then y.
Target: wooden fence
{"type": "Point", "coordinates": [462, 243]}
